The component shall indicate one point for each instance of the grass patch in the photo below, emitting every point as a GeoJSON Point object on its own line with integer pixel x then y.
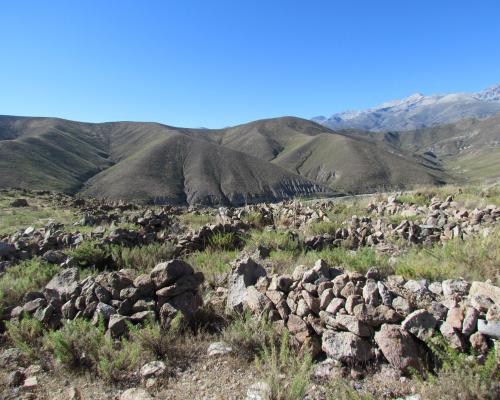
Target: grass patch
{"type": "Point", "coordinates": [26, 335]}
{"type": "Point", "coordinates": [287, 373]}
{"type": "Point", "coordinates": [275, 240]}
{"type": "Point", "coordinates": [461, 376]}
{"type": "Point", "coordinates": [250, 335]}
{"type": "Point", "coordinates": [196, 221]}
{"type": "Point", "coordinates": [223, 241]}
{"type": "Point", "coordinates": [141, 258]}
{"type": "Point", "coordinates": [24, 277]}
{"type": "Point", "coordinates": [38, 214]}
{"type": "Point", "coordinates": [476, 258]}
{"type": "Point", "coordinates": [417, 198]}
{"type": "Point", "coordinates": [212, 263]}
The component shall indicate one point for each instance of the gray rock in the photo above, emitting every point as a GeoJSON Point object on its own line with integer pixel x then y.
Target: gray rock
{"type": "Point", "coordinates": [402, 305]}
{"type": "Point", "coordinates": [436, 288]}
{"type": "Point", "coordinates": [452, 287]}
{"type": "Point", "coordinates": [346, 347]}
{"type": "Point", "coordinates": [385, 294]}
{"type": "Point", "coordinates": [485, 289]}
{"type": "Point", "coordinates": [219, 348]}
{"type": "Point", "coordinates": [117, 325]}
{"type": "Point", "coordinates": [371, 294]}
{"type": "Point", "coordinates": [245, 273]}
{"type": "Point", "coordinates": [490, 329]}
{"type": "Point", "coordinates": [420, 323]}
{"type": "Point", "coordinates": [354, 325]}
{"type": "Point", "coordinates": [399, 348]}
{"type": "Point", "coordinates": [470, 321]}
{"type": "Point", "coordinates": [166, 273]}
{"type": "Point", "coordinates": [7, 249]}
{"type": "Point", "coordinates": [153, 369]}
{"type": "Point", "coordinates": [65, 283]}
{"type": "Point", "coordinates": [135, 394]}
{"type": "Point", "coordinates": [259, 391]}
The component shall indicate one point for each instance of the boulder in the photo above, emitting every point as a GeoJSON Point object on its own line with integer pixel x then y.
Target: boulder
{"type": "Point", "coordinates": [65, 283]}
{"type": "Point", "coordinates": [420, 323]}
{"type": "Point", "coordinates": [135, 394]}
{"type": "Point", "coordinates": [399, 348]}
{"type": "Point", "coordinates": [153, 369]}
{"type": "Point", "coordinates": [219, 348]}
{"type": "Point", "coordinates": [485, 289]}
{"type": "Point", "coordinates": [452, 287]}
{"type": "Point", "coordinates": [346, 347]}
{"type": "Point", "coordinates": [489, 328]}
{"type": "Point", "coordinates": [245, 273]}
{"type": "Point", "coordinates": [166, 273]}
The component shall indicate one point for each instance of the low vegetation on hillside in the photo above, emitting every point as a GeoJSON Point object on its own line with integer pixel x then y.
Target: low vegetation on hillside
{"type": "Point", "coordinates": [263, 356]}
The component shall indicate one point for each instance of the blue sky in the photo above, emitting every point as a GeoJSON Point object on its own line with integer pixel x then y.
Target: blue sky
{"type": "Point", "coordinates": [219, 63]}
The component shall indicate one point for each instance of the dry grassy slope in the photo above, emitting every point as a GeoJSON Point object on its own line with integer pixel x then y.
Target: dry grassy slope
{"type": "Point", "coordinates": [47, 153]}
{"type": "Point", "coordinates": [182, 169]}
{"type": "Point", "coordinates": [469, 149]}
{"type": "Point", "coordinates": [260, 161]}
{"type": "Point", "coordinates": [340, 161]}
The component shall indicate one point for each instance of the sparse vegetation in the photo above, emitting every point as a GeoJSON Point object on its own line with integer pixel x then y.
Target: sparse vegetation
{"type": "Point", "coordinates": [476, 258]}
{"type": "Point", "coordinates": [286, 372]}
{"type": "Point", "coordinates": [250, 335]}
{"type": "Point", "coordinates": [141, 258]}
{"type": "Point", "coordinates": [461, 376]}
{"type": "Point", "coordinates": [26, 334]}
{"type": "Point", "coordinates": [29, 275]}
{"type": "Point", "coordinates": [211, 263]}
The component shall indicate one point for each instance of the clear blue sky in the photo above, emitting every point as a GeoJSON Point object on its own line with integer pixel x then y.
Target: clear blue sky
{"type": "Point", "coordinates": [219, 63]}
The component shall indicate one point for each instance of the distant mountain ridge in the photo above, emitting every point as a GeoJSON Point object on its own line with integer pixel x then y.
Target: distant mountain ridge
{"type": "Point", "coordinates": [418, 111]}
{"type": "Point", "coordinates": [267, 160]}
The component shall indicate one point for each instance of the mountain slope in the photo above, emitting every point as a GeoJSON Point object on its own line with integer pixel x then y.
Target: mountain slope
{"type": "Point", "coordinates": [139, 161]}
{"type": "Point", "coordinates": [469, 149]}
{"type": "Point", "coordinates": [419, 111]}
{"type": "Point", "coordinates": [267, 160]}
{"type": "Point", "coordinates": [335, 159]}
{"type": "Point", "coordinates": [180, 170]}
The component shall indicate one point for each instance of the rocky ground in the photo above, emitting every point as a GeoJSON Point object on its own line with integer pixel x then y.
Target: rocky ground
{"type": "Point", "coordinates": [388, 296]}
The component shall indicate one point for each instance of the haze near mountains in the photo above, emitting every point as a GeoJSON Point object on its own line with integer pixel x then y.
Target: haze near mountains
{"type": "Point", "coordinates": [418, 111]}
{"type": "Point", "coordinates": [267, 160]}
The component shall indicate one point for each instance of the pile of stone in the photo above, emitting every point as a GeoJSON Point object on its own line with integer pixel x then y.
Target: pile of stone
{"type": "Point", "coordinates": [439, 222]}
{"type": "Point", "coordinates": [117, 297]}
{"type": "Point", "coordinates": [360, 319]}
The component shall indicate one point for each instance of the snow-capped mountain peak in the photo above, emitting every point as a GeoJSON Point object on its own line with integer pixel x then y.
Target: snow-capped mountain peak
{"type": "Point", "coordinates": [418, 111]}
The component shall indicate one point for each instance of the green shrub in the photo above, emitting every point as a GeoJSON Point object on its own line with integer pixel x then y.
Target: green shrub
{"type": "Point", "coordinates": [90, 254]}
{"type": "Point", "coordinates": [418, 199]}
{"type": "Point", "coordinates": [287, 373]}
{"type": "Point", "coordinates": [460, 376]}
{"type": "Point", "coordinates": [118, 359]}
{"type": "Point", "coordinates": [320, 228]}
{"type": "Point", "coordinates": [211, 263]}
{"type": "Point", "coordinates": [141, 258]}
{"type": "Point", "coordinates": [359, 260]}
{"type": "Point", "coordinates": [223, 241]}
{"type": "Point", "coordinates": [26, 335]}
{"type": "Point", "coordinates": [277, 240]}
{"type": "Point", "coordinates": [24, 277]}
{"type": "Point", "coordinates": [250, 335]}
{"type": "Point", "coordinates": [77, 344]}
{"type": "Point", "coordinates": [151, 339]}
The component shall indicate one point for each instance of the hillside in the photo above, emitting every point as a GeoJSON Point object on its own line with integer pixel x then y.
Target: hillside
{"type": "Point", "coordinates": [266, 160]}
{"type": "Point", "coordinates": [469, 149]}
{"type": "Point", "coordinates": [418, 111]}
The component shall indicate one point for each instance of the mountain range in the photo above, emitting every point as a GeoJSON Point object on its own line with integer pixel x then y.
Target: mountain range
{"type": "Point", "coordinates": [418, 111]}
{"type": "Point", "coordinates": [266, 160]}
